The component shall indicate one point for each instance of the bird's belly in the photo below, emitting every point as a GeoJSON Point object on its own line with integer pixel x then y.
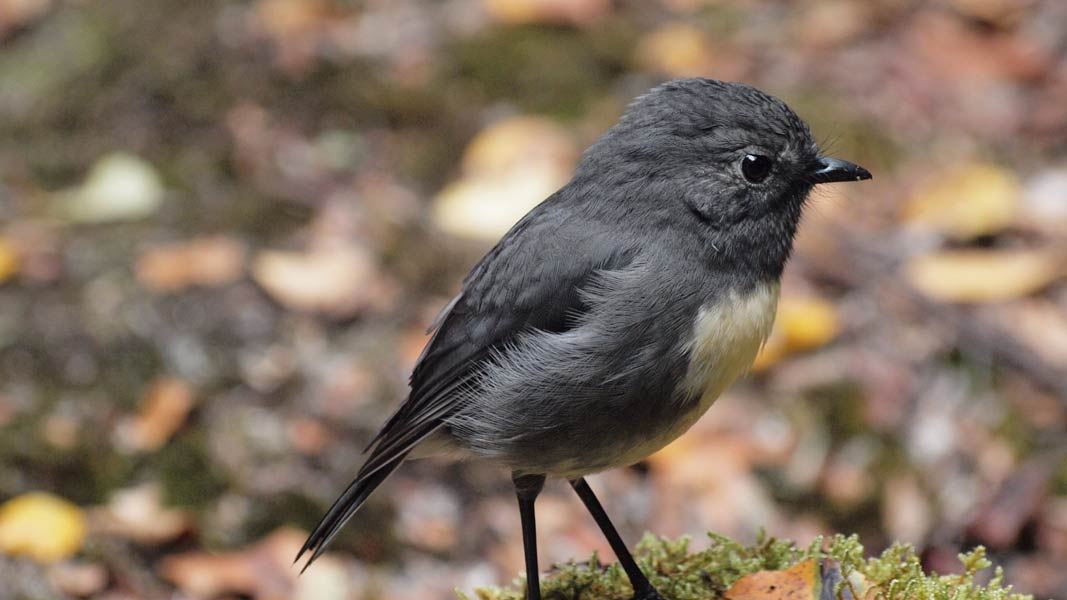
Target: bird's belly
{"type": "Point", "coordinates": [726, 337]}
{"type": "Point", "coordinates": [573, 439]}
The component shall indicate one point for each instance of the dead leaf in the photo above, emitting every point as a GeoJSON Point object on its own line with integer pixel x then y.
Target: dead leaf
{"type": "Point", "coordinates": [337, 282]}
{"type": "Point", "coordinates": [61, 430]}
{"type": "Point", "coordinates": [508, 168]}
{"type": "Point", "coordinates": [514, 142]}
{"type": "Point", "coordinates": [294, 27]}
{"type": "Point", "coordinates": [946, 48]}
{"type": "Point", "coordinates": [983, 275]}
{"type": "Point", "coordinates": [906, 511]}
{"type": "Point", "coordinates": [1040, 324]}
{"type": "Point", "coordinates": [264, 571]}
{"type": "Point", "coordinates": [42, 526]}
{"type": "Point", "coordinates": [801, 581]}
{"type": "Point", "coordinates": [208, 262]}
{"type": "Point", "coordinates": [802, 323]}
{"type": "Point", "coordinates": [119, 187]}
{"type": "Point", "coordinates": [678, 50]}
{"type": "Point", "coordinates": [286, 18]}
{"type": "Point", "coordinates": [163, 411]}
{"type": "Point", "coordinates": [971, 201]}
{"type": "Point", "coordinates": [308, 436]}
{"type": "Point", "coordinates": [573, 12]}
{"type": "Point", "coordinates": [831, 22]}
{"type": "Point", "coordinates": [16, 13]}
{"type": "Point", "coordinates": [79, 579]}
{"type": "Point", "coordinates": [138, 514]}
{"type": "Point", "coordinates": [9, 262]}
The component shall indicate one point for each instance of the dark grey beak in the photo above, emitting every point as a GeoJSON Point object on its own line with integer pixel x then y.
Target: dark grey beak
{"type": "Point", "coordinates": [829, 170]}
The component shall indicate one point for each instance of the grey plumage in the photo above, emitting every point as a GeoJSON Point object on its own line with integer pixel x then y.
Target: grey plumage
{"type": "Point", "coordinates": [574, 344]}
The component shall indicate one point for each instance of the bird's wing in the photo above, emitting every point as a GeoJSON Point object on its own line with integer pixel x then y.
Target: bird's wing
{"type": "Point", "coordinates": [530, 280]}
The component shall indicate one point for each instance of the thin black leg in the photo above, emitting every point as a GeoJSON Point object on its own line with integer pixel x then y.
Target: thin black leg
{"type": "Point", "coordinates": [527, 487]}
{"type": "Point", "coordinates": [643, 590]}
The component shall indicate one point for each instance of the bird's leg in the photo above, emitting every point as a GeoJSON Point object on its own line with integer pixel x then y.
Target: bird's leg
{"type": "Point", "coordinates": [643, 590]}
{"type": "Point", "coordinates": [527, 487]}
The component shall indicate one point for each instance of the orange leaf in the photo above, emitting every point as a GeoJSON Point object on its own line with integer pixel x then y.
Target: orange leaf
{"type": "Point", "coordinates": [803, 580]}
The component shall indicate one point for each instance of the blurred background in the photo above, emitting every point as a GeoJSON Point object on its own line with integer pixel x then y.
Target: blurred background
{"type": "Point", "coordinates": [225, 226]}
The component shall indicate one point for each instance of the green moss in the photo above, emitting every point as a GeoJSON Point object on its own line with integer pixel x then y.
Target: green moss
{"type": "Point", "coordinates": [279, 509]}
{"type": "Point", "coordinates": [551, 70]}
{"type": "Point", "coordinates": [189, 476]}
{"type": "Point", "coordinates": [680, 575]}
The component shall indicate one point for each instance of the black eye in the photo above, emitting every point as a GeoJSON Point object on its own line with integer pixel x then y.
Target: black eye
{"type": "Point", "coordinates": [756, 167]}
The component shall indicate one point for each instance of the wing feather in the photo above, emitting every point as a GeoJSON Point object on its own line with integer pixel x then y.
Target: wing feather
{"type": "Point", "coordinates": [532, 279]}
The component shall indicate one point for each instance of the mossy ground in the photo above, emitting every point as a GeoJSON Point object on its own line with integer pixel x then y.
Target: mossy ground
{"type": "Point", "coordinates": [679, 574]}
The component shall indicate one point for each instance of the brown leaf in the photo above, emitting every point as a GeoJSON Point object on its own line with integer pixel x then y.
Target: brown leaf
{"type": "Point", "coordinates": [16, 13]}
{"type": "Point", "coordinates": [574, 12]}
{"type": "Point", "coordinates": [831, 22]}
{"type": "Point", "coordinates": [264, 571]}
{"type": "Point", "coordinates": [983, 275]}
{"type": "Point", "coordinates": [947, 47]}
{"type": "Point", "coordinates": [163, 411]}
{"type": "Point", "coordinates": [78, 578]}
{"type": "Point", "coordinates": [1040, 324]}
{"type": "Point", "coordinates": [208, 262]}
{"type": "Point", "coordinates": [801, 581]}
{"type": "Point", "coordinates": [678, 50]}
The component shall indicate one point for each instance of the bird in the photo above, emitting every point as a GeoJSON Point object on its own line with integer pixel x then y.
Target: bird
{"type": "Point", "coordinates": [609, 318]}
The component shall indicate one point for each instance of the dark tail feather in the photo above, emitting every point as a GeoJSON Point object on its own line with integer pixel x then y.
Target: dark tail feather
{"type": "Point", "coordinates": [343, 509]}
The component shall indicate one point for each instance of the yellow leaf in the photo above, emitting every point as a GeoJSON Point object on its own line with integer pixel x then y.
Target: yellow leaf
{"type": "Point", "coordinates": [517, 141]}
{"type": "Point", "coordinates": [9, 263]}
{"type": "Point", "coordinates": [772, 351]}
{"type": "Point", "coordinates": [41, 526]}
{"type": "Point", "coordinates": [679, 50]}
{"type": "Point", "coordinates": [486, 207]}
{"type": "Point", "coordinates": [508, 168]}
{"type": "Point", "coordinates": [976, 200]}
{"type": "Point", "coordinates": [983, 275]}
{"type": "Point", "coordinates": [807, 322]}
{"type": "Point", "coordinates": [801, 324]}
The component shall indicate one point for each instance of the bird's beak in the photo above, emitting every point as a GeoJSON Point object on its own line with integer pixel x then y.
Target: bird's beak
{"type": "Point", "coordinates": [829, 170]}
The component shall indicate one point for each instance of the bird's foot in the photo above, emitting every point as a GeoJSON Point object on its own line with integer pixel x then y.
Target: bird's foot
{"type": "Point", "coordinates": [648, 593]}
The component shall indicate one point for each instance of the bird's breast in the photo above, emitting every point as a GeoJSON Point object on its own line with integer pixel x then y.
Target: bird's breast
{"type": "Point", "coordinates": [726, 336]}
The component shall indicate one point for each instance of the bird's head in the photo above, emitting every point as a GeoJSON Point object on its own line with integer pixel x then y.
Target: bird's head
{"type": "Point", "coordinates": [740, 161]}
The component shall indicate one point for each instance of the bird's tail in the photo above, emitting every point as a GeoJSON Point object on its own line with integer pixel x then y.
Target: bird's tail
{"type": "Point", "coordinates": [346, 506]}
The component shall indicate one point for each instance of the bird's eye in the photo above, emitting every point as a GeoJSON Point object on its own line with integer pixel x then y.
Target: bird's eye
{"type": "Point", "coordinates": [756, 167]}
